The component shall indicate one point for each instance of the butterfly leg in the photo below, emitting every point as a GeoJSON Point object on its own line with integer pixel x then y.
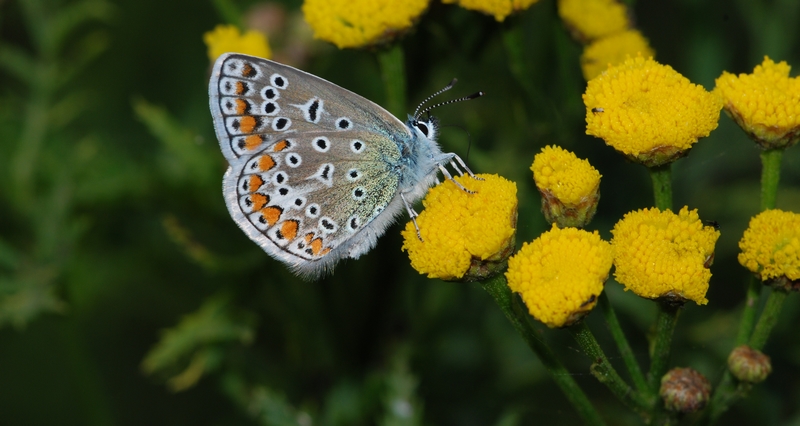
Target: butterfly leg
{"type": "Point", "coordinates": [449, 177]}
{"type": "Point", "coordinates": [464, 165]}
{"type": "Point", "coordinates": [413, 214]}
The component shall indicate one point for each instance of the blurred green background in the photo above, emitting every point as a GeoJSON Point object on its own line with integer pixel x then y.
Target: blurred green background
{"type": "Point", "coordinates": [113, 228]}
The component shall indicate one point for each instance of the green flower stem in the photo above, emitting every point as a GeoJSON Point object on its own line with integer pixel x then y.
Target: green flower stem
{"type": "Point", "coordinates": [662, 186]}
{"type": "Point", "coordinates": [770, 175]}
{"type": "Point", "coordinates": [666, 319]}
{"type": "Point", "coordinates": [729, 390]}
{"type": "Point", "coordinates": [497, 287]}
{"type": "Point", "coordinates": [768, 318]}
{"type": "Point", "coordinates": [749, 311]}
{"type": "Point", "coordinates": [603, 370]}
{"type": "Point", "coordinates": [623, 346]}
{"type": "Point", "coordinates": [393, 72]}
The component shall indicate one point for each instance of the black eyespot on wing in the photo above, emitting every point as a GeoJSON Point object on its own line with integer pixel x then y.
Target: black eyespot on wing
{"type": "Point", "coordinates": [325, 171]}
{"type": "Point", "coordinates": [312, 110]}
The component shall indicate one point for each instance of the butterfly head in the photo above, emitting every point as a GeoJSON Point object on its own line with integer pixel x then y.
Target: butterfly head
{"type": "Point", "coordinates": [427, 128]}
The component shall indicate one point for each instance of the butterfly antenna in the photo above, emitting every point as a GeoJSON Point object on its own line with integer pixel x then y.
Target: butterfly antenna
{"type": "Point", "coordinates": [452, 101]}
{"type": "Point", "coordinates": [446, 88]}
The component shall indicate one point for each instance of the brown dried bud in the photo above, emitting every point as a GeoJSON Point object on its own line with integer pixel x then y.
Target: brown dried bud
{"type": "Point", "coordinates": [684, 390]}
{"type": "Point", "coordinates": [749, 365]}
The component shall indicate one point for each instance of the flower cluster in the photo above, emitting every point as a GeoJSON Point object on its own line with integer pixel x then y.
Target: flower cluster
{"type": "Point", "coordinates": [228, 38]}
{"type": "Point", "coordinates": [660, 254]}
{"type": "Point", "coordinates": [648, 111]}
{"type": "Point", "coordinates": [462, 231]}
{"type": "Point", "coordinates": [765, 104]}
{"type": "Point", "coordinates": [570, 186]}
{"type": "Point", "coordinates": [771, 245]}
{"type": "Point", "coordinates": [500, 9]}
{"type": "Point", "coordinates": [560, 274]}
{"type": "Point", "coordinates": [361, 23]}
{"type": "Point", "coordinates": [589, 20]}
{"type": "Point", "coordinates": [613, 50]}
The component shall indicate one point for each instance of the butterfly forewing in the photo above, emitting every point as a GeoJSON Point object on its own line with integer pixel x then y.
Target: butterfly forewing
{"type": "Point", "coordinates": [312, 164]}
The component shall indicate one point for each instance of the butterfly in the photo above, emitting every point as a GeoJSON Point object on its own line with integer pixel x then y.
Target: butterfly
{"type": "Point", "coordinates": [317, 173]}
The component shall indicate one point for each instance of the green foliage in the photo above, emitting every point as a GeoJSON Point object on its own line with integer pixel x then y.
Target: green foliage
{"type": "Point", "coordinates": [113, 226]}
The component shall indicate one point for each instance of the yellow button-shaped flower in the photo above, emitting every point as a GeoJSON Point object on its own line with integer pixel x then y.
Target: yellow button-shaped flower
{"type": "Point", "coordinates": [361, 23]}
{"type": "Point", "coordinates": [771, 245]}
{"type": "Point", "coordinates": [228, 38]}
{"type": "Point", "coordinates": [589, 20]}
{"type": "Point", "coordinates": [664, 255]}
{"type": "Point", "coordinates": [560, 274]}
{"type": "Point", "coordinates": [765, 104]}
{"type": "Point", "coordinates": [464, 236]}
{"type": "Point", "coordinates": [613, 50]}
{"type": "Point", "coordinates": [570, 187]}
{"type": "Point", "coordinates": [648, 111]}
{"type": "Point", "coordinates": [500, 9]}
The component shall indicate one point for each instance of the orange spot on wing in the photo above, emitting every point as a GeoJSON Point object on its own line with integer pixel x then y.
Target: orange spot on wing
{"type": "Point", "coordinates": [325, 251]}
{"type": "Point", "coordinates": [247, 71]}
{"type": "Point", "coordinates": [255, 182]}
{"type": "Point", "coordinates": [247, 124]}
{"type": "Point", "coordinates": [272, 214]}
{"type": "Point", "coordinates": [241, 106]}
{"type": "Point", "coordinates": [289, 229]}
{"type": "Point", "coordinates": [316, 246]}
{"type": "Point", "coordinates": [266, 163]}
{"type": "Point", "coordinates": [280, 146]}
{"type": "Point", "coordinates": [239, 88]}
{"type": "Point", "coordinates": [259, 201]}
{"type": "Point", "coordinates": [252, 142]}
{"type": "Point", "coordinates": [308, 237]}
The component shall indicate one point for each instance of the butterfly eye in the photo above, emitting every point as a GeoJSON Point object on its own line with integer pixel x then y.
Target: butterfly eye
{"type": "Point", "coordinates": [422, 128]}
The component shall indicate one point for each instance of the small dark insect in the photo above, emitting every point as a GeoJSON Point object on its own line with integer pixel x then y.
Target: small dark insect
{"type": "Point", "coordinates": [597, 110]}
{"type": "Point", "coordinates": [712, 223]}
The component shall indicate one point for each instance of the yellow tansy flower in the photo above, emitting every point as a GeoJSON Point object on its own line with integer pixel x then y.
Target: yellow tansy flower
{"type": "Point", "coordinates": [588, 20]}
{"type": "Point", "coordinates": [361, 23]}
{"type": "Point", "coordinates": [500, 9]}
{"type": "Point", "coordinates": [765, 104]}
{"type": "Point", "coordinates": [649, 112]}
{"type": "Point", "coordinates": [464, 235]}
{"type": "Point", "coordinates": [613, 50]}
{"type": "Point", "coordinates": [228, 38]}
{"type": "Point", "coordinates": [664, 255]}
{"type": "Point", "coordinates": [771, 245]}
{"type": "Point", "coordinates": [570, 187]}
{"type": "Point", "coordinates": [560, 274]}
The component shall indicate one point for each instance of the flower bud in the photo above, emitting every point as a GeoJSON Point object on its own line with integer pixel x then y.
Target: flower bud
{"type": "Point", "coordinates": [749, 365]}
{"type": "Point", "coordinates": [684, 390]}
